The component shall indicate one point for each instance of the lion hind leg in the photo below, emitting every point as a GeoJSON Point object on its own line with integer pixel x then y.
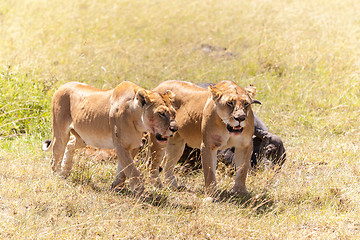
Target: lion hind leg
{"type": "Point", "coordinates": [59, 146]}
{"type": "Point", "coordinates": [74, 142]}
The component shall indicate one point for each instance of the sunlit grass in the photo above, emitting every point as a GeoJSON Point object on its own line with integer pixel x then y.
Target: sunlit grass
{"type": "Point", "coordinates": [303, 57]}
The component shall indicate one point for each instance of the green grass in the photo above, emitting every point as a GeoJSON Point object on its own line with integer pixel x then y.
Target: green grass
{"type": "Point", "coordinates": [301, 55]}
{"type": "Point", "coordinates": [25, 104]}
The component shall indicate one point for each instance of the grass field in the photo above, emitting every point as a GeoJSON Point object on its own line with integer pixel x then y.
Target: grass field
{"type": "Point", "coordinates": [303, 57]}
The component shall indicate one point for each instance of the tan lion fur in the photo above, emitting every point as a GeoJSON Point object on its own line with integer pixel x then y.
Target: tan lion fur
{"type": "Point", "coordinates": [203, 118]}
{"type": "Point", "coordinates": [113, 119]}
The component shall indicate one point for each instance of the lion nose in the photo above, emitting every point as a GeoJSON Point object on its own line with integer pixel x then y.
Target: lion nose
{"type": "Point", "coordinates": [173, 127]}
{"type": "Point", "coordinates": [240, 118]}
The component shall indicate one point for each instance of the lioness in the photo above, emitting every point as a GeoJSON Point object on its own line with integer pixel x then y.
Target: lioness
{"type": "Point", "coordinates": [114, 119]}
{"type": "Point", "coordinates": [267, 147]}
{"type": "Point", "coordinates": [210, 119]}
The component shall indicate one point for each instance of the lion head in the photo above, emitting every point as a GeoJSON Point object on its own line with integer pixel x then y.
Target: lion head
{"type": "Point", "coordinates": [159, 114]}
{"type": "Point", "coordinates": [233, 104]}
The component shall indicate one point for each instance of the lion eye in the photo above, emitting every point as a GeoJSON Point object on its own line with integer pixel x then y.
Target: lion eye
{"type": "Point", "coordinates": [230, 103]}
{"type": "Point", "coordinates": [162, 114]}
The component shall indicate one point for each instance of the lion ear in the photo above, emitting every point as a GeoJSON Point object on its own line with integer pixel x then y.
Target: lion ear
{"type": "Point", "coordinates": [142, 96]}
{"type": "Point", "coordinates": [170, 95]}
{"type": "Point", "coordinates": [256, 101]}
{"type": "Point", "coordinates": [216, 93]}
{"type": "Point", "coordinates": [251, 90]}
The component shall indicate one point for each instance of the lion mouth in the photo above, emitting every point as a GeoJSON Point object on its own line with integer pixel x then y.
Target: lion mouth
{"type": "Point", "coordinates": [161, 138]}
{"type": "Point", "coordinates": [236, 129]}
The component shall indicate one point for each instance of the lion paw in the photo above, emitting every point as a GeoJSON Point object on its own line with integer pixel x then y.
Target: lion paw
{"type": "Point", "coordinates": [239, 191]}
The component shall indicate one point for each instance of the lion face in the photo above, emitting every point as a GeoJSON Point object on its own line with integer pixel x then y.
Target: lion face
{"type": "Point", "coordinates": [159, 115]}
{"type": "Point", "coordinates": [233, 104]}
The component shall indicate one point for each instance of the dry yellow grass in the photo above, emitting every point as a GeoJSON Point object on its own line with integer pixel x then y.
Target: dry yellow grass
{"type": "Point", "coordinates": [303, 57]}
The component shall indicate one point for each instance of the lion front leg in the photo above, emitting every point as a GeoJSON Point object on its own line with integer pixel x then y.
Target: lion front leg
{"type": "Point", "coordinates": [119, 178]}
{"type": "Point", "coordinates": [174, 150]}
{"type": "Point", "coordinates": [209, 161]}
{"type": "Point", "coordinates": [127, 169]}
{"type": "Point", "coordinates": [155, 157]}
{"type": "Point", "coordinates": [242, 163]}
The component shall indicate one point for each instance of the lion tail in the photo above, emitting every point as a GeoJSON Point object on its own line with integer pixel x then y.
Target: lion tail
{"type": "Point", "coordinates": [47, 145]}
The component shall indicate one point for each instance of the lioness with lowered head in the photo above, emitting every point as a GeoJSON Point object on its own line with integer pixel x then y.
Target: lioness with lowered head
{"type": "Point", "coordinates": [114, 119]}
{"type": "Point", "coordinates": [210, 119]}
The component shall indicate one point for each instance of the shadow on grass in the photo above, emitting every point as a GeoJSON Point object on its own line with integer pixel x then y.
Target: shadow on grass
{"type": "Point", "coordinates": [84, 178]}
{"type": "Point", "coordinates": [154, 199]}
{"type": "Point", "coordinates": [259, 203]}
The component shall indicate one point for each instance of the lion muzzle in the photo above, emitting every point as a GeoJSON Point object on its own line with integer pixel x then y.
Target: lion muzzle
{"type": "Point", "coordinates": [240, 118]}
{"type": "Point", "coordinates": [173, 127]}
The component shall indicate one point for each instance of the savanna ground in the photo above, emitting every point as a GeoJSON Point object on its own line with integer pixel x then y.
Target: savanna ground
{"type": "Point", "coordinates": [303, 57]}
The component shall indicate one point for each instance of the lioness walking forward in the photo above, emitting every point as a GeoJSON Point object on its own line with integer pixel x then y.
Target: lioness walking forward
{"type": "Point", "coordinates": [210, 119]}
{"type": "Point", "coordinates": [114, 119]}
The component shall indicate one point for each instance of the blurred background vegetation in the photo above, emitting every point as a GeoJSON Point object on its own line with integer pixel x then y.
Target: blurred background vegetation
{"type": "Point", "coordinates": [303, 56]}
